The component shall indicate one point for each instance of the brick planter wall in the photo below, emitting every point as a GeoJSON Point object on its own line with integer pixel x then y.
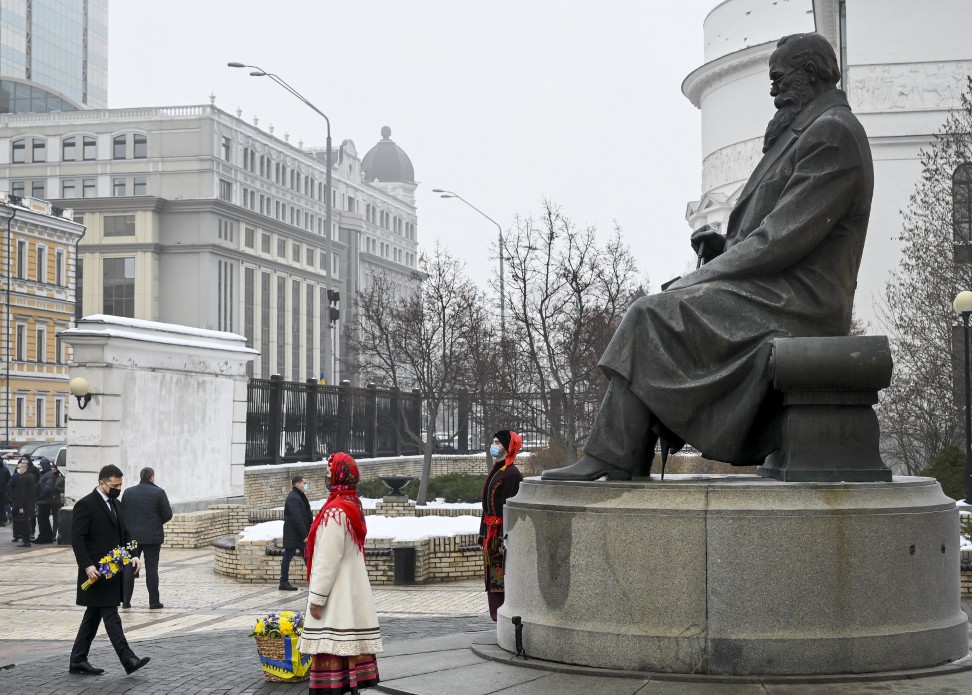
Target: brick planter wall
{"type": "Point", "coordinates": [199, 529]}
{"type": "Point", "coordinates": [436, 560]}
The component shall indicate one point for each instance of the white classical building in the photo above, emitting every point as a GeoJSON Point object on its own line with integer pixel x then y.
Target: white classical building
{"type": "Point", "coordinates": [904, 64]}
{"type": "Point", "coordinates": [196, 217]}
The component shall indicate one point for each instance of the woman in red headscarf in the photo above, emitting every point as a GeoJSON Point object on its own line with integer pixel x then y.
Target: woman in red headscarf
{"type": "Point", "coordinates": [502, 483]}
{"type": "Point", "coordinates": [341, 626]}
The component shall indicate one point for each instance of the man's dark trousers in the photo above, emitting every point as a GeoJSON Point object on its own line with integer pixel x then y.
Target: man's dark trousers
{"type": "Point", "coordinates": [150, 553]}
{"type": "Point", "coordinates": [288, 555]}
{"type": "Point", "coordinates": [93, 615]}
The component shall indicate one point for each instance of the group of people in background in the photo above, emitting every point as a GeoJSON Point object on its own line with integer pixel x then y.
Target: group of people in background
{"type": "Point", "coordinates": [31, 498]}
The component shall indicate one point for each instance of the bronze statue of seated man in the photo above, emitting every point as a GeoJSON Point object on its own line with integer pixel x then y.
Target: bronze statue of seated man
{"type": "Point", "coordinates": [691, 363]}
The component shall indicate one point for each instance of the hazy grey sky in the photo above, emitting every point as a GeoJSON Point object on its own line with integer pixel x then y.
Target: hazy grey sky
{"type": "Point", "coordinates": [505, 102]}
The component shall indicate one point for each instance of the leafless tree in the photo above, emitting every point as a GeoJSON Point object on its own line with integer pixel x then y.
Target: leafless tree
{"type": "Point", "coordinates": [565, 295]}
{"type": "Point", "coordinates": [422, 341]}
{"type": "Point", "coordinates": [918, 413]}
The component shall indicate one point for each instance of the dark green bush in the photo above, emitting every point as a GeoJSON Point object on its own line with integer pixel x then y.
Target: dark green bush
{"type": "Point", "coordinates": [453, 487]}
{"type": "Point", "coordinates": [457, 487]}
{"type": "Point", "coordinates": [948, 468]}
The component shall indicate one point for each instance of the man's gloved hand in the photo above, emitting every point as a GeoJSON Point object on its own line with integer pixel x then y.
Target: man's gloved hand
{"type": "Point", "coordinates": [707, 243]}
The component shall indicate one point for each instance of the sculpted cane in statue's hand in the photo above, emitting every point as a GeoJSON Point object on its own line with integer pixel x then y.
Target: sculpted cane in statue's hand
{"type": "Point", "coordinates": [691, 364]}
{"type": "Point", "coordinates": [707, 243]}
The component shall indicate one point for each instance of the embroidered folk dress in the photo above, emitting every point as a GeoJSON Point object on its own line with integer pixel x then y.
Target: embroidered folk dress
{"type": "Point", "coordinates": [502, 483]}
{"type": "Point", "coordinates": [348, 625]}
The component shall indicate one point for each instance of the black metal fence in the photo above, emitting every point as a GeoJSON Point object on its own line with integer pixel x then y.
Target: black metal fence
{"type": "Point", "coordinates": [294, 421]}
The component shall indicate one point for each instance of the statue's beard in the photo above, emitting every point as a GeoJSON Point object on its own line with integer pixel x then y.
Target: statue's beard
{"type": "Point", "coordinates": [788, 105]}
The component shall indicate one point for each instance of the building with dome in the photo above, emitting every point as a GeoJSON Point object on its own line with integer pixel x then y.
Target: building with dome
{"type": "Point", "coordinates": [904, 67]}
{"type": "Point", "coordinates": [197, 217]}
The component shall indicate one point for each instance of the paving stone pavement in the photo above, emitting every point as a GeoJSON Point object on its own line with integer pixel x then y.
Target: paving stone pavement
{"type": "Point", "coordinates": [199, 644]}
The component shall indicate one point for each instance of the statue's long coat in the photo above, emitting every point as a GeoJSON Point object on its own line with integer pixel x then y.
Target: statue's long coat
{"type": "Point", "coordinates": [698, 353]}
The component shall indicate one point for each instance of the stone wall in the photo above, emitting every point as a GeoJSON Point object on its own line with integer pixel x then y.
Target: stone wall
{"type": "Point", "coordinates": [436, 560]}
{"type": "Point", "coordinates": [199, 529]}
{"type": "Point", "coordinates": [158, 387]}
{"type": "Point", "coordinates": [268, 486]}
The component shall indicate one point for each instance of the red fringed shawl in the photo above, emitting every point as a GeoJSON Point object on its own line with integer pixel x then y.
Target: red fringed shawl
{"type": "Point", "coordinates": [343, 498]}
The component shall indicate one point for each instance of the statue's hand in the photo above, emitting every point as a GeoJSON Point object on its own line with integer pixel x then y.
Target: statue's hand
{"type": "Point", "coordinates": [707, 243]}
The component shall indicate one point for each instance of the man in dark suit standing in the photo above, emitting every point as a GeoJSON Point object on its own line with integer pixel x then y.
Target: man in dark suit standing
{"type": "Point", "coordinates": [297, 523]}
{"type": "Point", "coordinates": [146, 510]}
{"type": "Point", "coordinates": [97, 527]}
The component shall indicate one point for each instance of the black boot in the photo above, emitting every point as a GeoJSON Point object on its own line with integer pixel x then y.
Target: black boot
{"type": "Point", "coordinates": [588, 468]}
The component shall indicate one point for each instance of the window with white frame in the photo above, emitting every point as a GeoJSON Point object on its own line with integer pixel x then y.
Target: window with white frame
{"type": "Point", "coordinates": [41, 263]}
{"type": "Point", "coordinates": [40, 347]}
{"type": "Point", "coordinates": [60, 414]}
{"type": "Point", "coordinates": [20, 412]}
{"type": "Point", "coordinates": [22, 259]}
{"type": "Point", "coordinates": [20, 353]}
{"type": "Point", "coordinates": [40, 411]}
{"type": "Point", "coordinates": [60, 268]}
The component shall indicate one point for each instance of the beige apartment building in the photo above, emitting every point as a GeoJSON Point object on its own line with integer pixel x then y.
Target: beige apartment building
{"type": "Point", "coordinates": [38, 244]}
{"type": "Point", "coordinates": [199, 218]}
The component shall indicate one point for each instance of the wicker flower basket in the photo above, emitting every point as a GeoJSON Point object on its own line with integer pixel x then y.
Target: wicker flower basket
{"type": "Point", "coordinates": [281, 661]}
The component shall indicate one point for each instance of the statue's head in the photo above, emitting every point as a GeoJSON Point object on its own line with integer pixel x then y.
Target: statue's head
{"type": "Point", "coordinates": [802, 67]}
{"type": "Point", "coordinates": [803, 59]}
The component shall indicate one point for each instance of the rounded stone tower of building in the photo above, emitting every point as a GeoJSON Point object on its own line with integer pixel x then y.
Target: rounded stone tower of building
{"type": "Point", "coordinates": [386, 166]}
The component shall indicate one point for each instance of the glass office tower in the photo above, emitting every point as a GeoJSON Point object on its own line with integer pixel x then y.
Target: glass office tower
{"type": "Point", "coordinates": [53, 55]}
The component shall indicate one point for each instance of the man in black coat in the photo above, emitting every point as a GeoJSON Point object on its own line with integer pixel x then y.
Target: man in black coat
{"type": "Point", "coordinates": [45, 503]}
{"type": "Point", "coordinates": [98, 527]}
{"type": "Point", "coordinates": [4, 480]}
{"type": "Point", "coordinates": [24, 500]}
{"type": "Point", "coordinates": [146, 510]}
{"type": "Point", "coordinates": [297, 523]}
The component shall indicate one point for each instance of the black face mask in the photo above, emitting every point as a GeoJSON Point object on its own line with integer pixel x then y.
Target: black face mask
{"type": "Point", "coordinates": [113, 493]}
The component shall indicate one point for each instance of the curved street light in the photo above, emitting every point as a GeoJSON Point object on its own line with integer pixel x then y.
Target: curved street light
{"type": "Point", "coordinates": [257, 71]}
{"type": "Point", "coordinates": [451, 194]}
{"type": "Point", "coordinates": [963, 306]}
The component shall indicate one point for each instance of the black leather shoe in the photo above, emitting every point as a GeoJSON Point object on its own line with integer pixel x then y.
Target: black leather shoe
{"type": "Point", "coordinates": [126, 605]}
{"type": "Point", "coordinates": [156, 606]}
{"type": "Point", "coordinates": [287, 586]}
{"type": "Point", "coordinates": [133, 664]}
{"type": "Point", "coordinates": [85, 668]}
{"type": "Point", "coordinates": [588, 468]}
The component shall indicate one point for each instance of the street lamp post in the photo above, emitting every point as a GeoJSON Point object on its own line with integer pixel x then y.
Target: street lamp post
{"type": "Point", "coordinates": [450, 194]}
{"type": "Point", "coordinates": [329, 265]}
{"type": "Point", "coordinates": [963, 307]}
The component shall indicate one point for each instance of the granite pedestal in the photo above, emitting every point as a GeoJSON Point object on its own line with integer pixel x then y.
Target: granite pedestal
{"type": "Point", "coordinates": [735, 575]}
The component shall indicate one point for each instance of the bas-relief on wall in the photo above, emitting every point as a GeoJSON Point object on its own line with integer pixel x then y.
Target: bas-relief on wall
{"type": "Point", "coordinates": [733, 163]}
{"type": "Point", "coordinates": [907, 86]}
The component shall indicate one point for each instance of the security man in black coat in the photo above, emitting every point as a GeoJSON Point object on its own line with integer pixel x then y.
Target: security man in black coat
{"type": "Point", "coordinates": [97, 528]}
{"type": "Point", "coordinates": [146, 510]}
{"type": "Point", "coordinates": [297, 523]}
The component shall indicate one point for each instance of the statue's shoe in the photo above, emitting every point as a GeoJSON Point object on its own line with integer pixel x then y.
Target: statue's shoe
{"type": "Point", "coordinates": [588, 468]}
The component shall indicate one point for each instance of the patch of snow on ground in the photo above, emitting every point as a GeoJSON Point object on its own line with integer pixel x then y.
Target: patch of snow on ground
{"type": "Point", "coordinates": [266, 531]}
{"type": "Point", "coordinates": [401, 528]}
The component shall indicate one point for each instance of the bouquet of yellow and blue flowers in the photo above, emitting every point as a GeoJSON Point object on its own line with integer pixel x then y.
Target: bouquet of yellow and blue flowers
{"type": "Point", "coordinates": [283, 624]}
{"type": "Point", "coordinates": [112, 563]}
{"type": "Point", "coordinates": [276, 637]}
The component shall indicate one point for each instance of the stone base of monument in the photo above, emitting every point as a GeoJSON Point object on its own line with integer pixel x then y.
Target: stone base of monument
{"type": "Point", "coordinates": [735, 575]}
